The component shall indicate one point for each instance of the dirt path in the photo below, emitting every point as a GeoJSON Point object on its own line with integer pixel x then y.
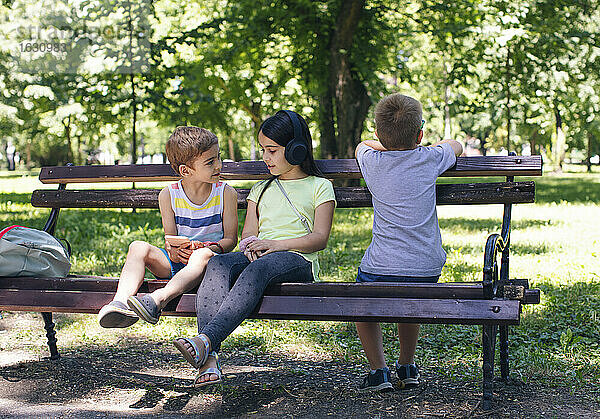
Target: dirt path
{"type": "Point", "coordinates": [151, 379]}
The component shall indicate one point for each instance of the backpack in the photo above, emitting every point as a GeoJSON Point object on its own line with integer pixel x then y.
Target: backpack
{"type": "Point", "coordinates": [30, 252]}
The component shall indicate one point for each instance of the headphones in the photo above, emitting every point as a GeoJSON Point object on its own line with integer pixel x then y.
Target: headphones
{"type": "Point", "coordinates": [296, 150]}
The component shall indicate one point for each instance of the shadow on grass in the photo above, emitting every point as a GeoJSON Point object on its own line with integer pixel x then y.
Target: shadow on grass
{"type": "Point", "coordinates": [515, 248]}
{"type": "Point", "coordinates": [251, 384]}
{"type": "Point", "coordinates": [149, 375]}
{"type": "Point", "coordinates": [265, 385]}
{"type": "Point", "coordinates": [487, 224]}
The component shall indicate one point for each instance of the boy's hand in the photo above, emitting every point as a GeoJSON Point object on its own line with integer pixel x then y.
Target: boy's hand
{"type": "Point", "coordinates": [184, 252]}
{"type": "Point", "coordinates": [456, 146]}
{"type": "Point", "coordinates": [172, 252]}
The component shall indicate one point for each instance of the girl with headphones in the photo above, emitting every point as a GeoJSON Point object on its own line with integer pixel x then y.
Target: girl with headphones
{"type": "Point", "coordinates": [288, 220]}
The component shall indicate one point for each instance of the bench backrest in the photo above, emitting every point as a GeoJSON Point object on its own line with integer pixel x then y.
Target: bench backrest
{"type": "Point", "coordinates": [348, 197]}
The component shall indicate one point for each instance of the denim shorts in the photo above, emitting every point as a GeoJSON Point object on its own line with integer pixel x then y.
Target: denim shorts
{"type": "Point", "coordinates": [175, 266]}
{"type": "Point", "coordinates": [367, 277]}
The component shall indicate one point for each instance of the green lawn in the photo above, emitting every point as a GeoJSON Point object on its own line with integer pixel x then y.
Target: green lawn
{"type": "Point", "coordinates": [555, 242]}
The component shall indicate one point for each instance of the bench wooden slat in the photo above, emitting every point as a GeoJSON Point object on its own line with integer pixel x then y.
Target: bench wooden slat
{"type": "Point", "coordinates": [467, 290]}
{"type": "Point", "coordinates": [338, 168]}
{"type": "Point", "coordinates": [347, 197]}
{"type": "Point", "coordinates": [412, 310]}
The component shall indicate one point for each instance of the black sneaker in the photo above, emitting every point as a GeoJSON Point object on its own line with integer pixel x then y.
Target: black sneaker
{"type": "Point", "coordinates": [408, 375]}
{"type": "Point", "coordinates": [378, 380]}
{"type": "Point", "coordinates": [145, 307]}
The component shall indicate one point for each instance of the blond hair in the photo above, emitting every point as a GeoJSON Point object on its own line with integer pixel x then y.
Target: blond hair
{"type": "Point", "coordinates": [187, 143]}
{"type": "Point", "coordinates": [398, 120]}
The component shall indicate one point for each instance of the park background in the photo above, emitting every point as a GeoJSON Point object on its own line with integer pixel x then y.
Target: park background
{"type": "Point", "coordinates": [497, 75]}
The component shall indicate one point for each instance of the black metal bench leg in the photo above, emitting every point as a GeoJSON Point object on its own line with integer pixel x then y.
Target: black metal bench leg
{"type": "Point", "coordinates": [504, 371]}
{"type": "Point", "coordinates": [489, 347]}
{"type": "Point", "coordinates": [51, 335]}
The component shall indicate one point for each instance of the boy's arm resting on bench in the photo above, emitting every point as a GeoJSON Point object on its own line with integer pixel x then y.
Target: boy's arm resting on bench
{"type": "Point", "coordinates": [456, 146]}
{"type": "Point", "coordinates": [374, 144]}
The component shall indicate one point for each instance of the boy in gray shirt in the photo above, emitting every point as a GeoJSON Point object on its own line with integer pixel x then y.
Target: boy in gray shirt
{"type": "Point", "coordinates": [407, 244]}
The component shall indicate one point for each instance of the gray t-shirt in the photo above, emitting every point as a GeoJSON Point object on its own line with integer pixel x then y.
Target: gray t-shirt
{"type": "Point", "coordinates": [406, 234]}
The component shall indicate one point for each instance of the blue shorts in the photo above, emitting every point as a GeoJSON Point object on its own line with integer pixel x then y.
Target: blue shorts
{"type": "Point", "coordinates": [367, 277]}
{"type": "Point", "coordinates": [175, 266]}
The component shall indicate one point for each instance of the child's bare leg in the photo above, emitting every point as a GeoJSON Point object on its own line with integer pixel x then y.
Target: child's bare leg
{"type": "Point", "coordinates": [140, 256]}
{"type": "Point", "coordinates": [408, 334]}
{"type": "Point", "coordinates": [185, 279]}
{"type": "Point", "coordinates": [371, 339]}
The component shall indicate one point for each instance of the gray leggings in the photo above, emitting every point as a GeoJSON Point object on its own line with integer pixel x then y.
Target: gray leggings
{"type": "Point", "coordinates": [232, 287]}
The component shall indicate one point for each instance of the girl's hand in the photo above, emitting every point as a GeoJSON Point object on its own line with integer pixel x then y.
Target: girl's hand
{"type": "Point", "coordinates": [250, 255]}
{"type": "Point", "coordinates": [264, 247]}
{"type": "Point", "coordinates": [245, 242]}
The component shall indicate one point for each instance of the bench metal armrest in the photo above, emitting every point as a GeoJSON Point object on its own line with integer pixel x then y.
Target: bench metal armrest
{"type": "Point", "coordinates": [53, 217]}
{"type": "Point", "coordinates": [493, 246]}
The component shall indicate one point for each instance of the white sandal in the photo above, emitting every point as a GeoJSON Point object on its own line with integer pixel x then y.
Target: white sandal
{"type": "Point", "coordinates": [200, 354]}
{"type": "Point", "coordinates": [208, 371]}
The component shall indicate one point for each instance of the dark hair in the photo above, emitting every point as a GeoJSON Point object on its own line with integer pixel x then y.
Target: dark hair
{"type": "Point", "coordinates": [280, 129]}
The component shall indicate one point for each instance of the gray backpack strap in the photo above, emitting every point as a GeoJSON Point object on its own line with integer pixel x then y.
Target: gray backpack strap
{"type": "Point", "coordinates": [300, 216]}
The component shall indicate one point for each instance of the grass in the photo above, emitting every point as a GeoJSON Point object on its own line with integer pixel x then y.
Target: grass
{"type": "Point", "coordinates": [555, 243]}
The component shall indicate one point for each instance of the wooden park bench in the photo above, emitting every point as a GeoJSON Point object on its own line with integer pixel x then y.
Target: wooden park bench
{"type": "Point", "coordinates": [495, 302]}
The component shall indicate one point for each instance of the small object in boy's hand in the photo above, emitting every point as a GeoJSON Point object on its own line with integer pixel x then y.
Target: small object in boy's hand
{"type": "Point", "coordinates": [195, 244]}
{"type": "Point", "coordinates": [177, 241]}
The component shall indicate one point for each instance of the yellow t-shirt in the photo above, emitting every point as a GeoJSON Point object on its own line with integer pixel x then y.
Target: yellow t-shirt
{"type": "Point", "coordinates": [278, 221]}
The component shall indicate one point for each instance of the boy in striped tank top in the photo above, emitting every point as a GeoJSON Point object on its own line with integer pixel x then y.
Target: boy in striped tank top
{"type": "Point", "coordinates": [199, 207]}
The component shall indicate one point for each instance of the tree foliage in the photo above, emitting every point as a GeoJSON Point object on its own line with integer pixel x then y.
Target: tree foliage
{"type": "Point", "coordinates": [500, 75]}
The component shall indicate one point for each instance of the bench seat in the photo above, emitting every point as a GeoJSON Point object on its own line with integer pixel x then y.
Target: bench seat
{"type": "Point", "coordinates": [451, 303]}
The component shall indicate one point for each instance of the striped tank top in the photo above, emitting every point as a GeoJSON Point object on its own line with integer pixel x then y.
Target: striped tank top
{"type": "Point", "coordinates": [198, 222]}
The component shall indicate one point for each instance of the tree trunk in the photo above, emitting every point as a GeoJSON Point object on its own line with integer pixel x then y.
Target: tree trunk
{"type": "Point", "coordinates": [29, 163]}
{"type": "Point", "coordinates": [447, 130]}
{"type": "Point", "coordinates": [326, 125]}
{"type": "Point", "coordinates": [560, 149]}
{"type": "Point", "coordinates": [70, 155]}
{"type": "Point", "coordinates": [231, 149]}
{"type": "Point", "coordinates": [80, 159]}
{"type": "Point", "coordinates": [588, 160]}
{"type": "Point", "coordinates": [133, 131]}
{"type": "Point", "coordinates": [483, 140]}
{"type": "Point", "coordinates": [350, 101]}
{"type": "Point", "coordinates": [483, 147]}
{"type": "Point", "coordinates": [256, 121]}
{"type": "Point", "coordinates": [507, 87]}
{"type": "Point", "coordinates": [532, 143]}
